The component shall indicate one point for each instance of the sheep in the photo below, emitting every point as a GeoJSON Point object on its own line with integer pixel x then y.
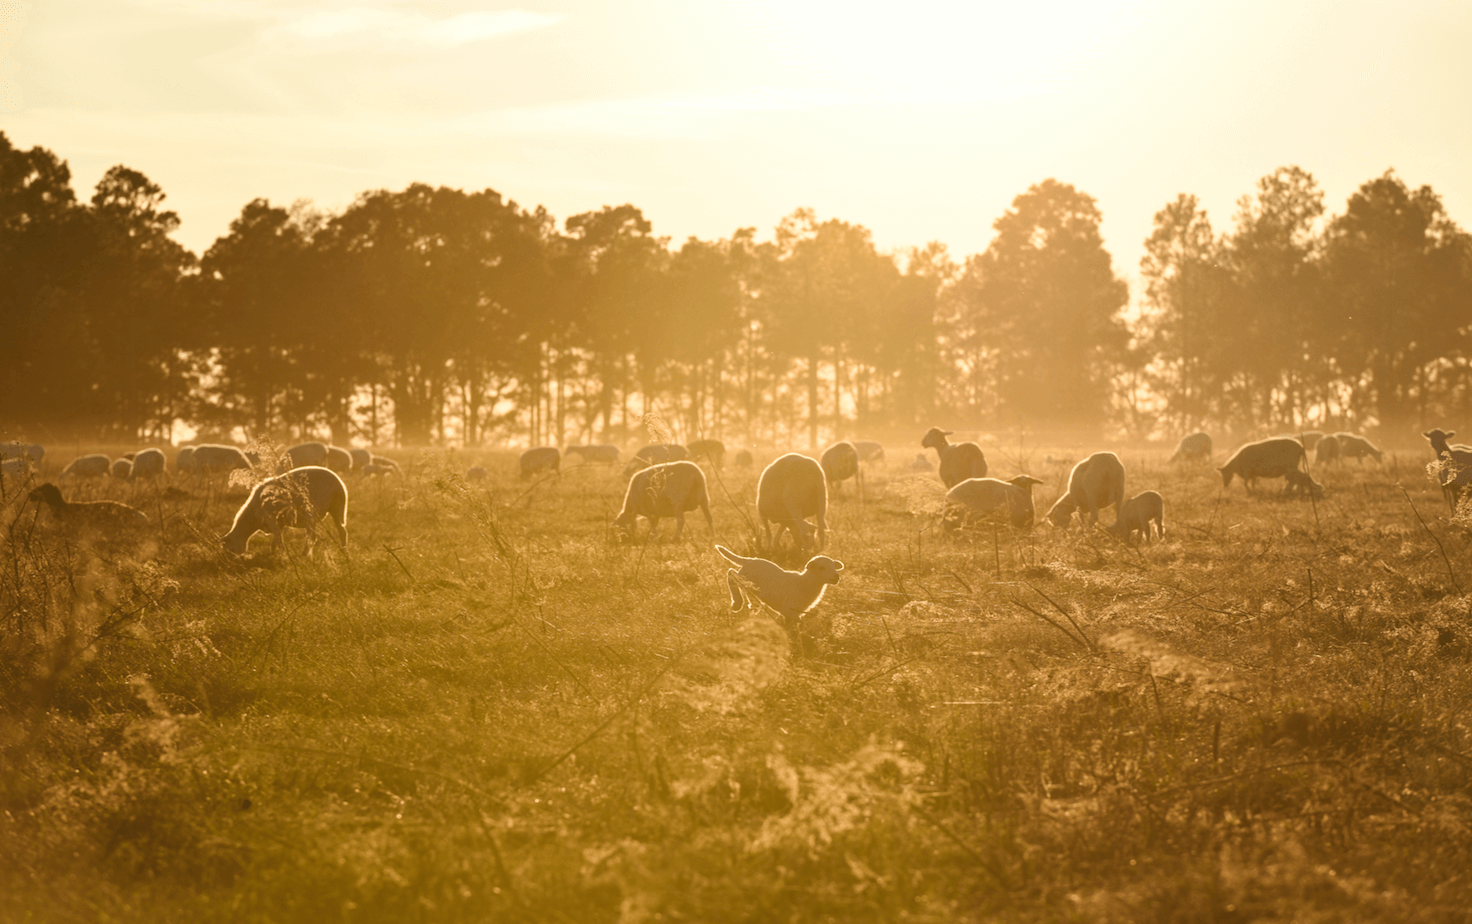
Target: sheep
{"type": "Point", "coordinates": [100, 515]}
{"type": "Point", "coordinates": [1274, 457]}
{"type": "Point", "coordinates": [1300, 482]}
{"type": "Point", "coordinates": [373, 468]}
{"type": "Point", "coordinates": [15, 465]}
{"type": "Point", "coordinates": [656, 454]}
{"type": "Point", "coordinates": [540, 459]}
{"type": "Point", "coordinates": [312, 452]}
{"type": "Point", "coordinates": [665, 490]}
{"type": "Point", "coordinates": [386, 466]}
{"type": "Point", "coordinates": [1326, 450]}
{"type": "Point", "coordinates": [841, 462]}
{"type": "Point", "coordinates": [339, 459]}
{"type": "Point", "coordinates": [361, 457]}
{"type": "Point", "coordinates": [1353, 446]}
{"type": "Point", "coordinates": [791, 489]}
{"type": "Point", "coordinates": [714, 450]}
{"type": "Point", "coordinates": [122, 468]}
{"type": "Point", "coordinates": [214, 459]}
{"type": "Point", "coordinates": [1455, 471]}
{"type": "Point", "coordinates": [791, 594]}
{"type": "Point", "coordinates": [991, 499]}
{"type": "Point", "coordinates": [1141, 514]}
{"type": "Point", "coordinates": [184, 460]}
{"type": "Point", "coordinates": [1193, 446]}
{"type": "Point", "coordinates": [1310, 438]}
{"type": "Point", "coordinates": [147, 463]}
{"type": "Point", "coordinates": [15, 449]}
{"type": "Point", "coordinates": [869, 450]}
{"type": "Point", "coordinates": [1095, 483]}
{"type": "Point", "coordinates": [601, 453]}
{"type": "Point", "coordinates": [93, 465]}
{"type": "Point", "coordinates": [476, 473]}
{"type": "Point", "coordinates": [958, 461]}
{"type": "Point", "coordinates": [299, 497]}
{"type": "Point", "coordinates": [744, 459]}
{"type": "Point", "coordinates": [921, 464]}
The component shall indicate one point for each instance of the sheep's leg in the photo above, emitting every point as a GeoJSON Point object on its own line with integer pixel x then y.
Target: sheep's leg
{"type": "Point", "coordinates": [679, 526]}
{"type": "Point", "coordinates": [738, 597]}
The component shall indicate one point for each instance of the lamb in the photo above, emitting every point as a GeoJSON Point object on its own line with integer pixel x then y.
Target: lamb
{"type": "Point", "coordinates": [213, 459]}
{"type": "Point", "coordinates": [299, 497]}
{"type": "Point", "coordinates": [1141, 514]}
{"type": "Point", "coordinates": [601, 453]}
{"type": "Point", "coordinates": [656, 454]}
{"type": "Point", "coordinates": [991, 499]}
{"type": "Point", "coordinates": [665, 490]}
{"type": "Point", "coordinates": [93, 465]}
{"type": "Point", "coordinates": [841, 462]}
{"type": "Point", "coordinates": [312, 452]}
{"type": "Point", "coordinates": [1095, 483]}
{"type": "Point", "coordinates": [1353, 446]}
{"type": "Point", "coordinates": [339, 459]}
{"type": "Point", "coordinates": [1455, 472]}
{"type": "Point", "coordinates": [122, 468]}
{"type": "Point", "coordinates": [791, 594]}
{"type": "Point", "coordinates": [98, 515]}
{"type": "Point", "coordinates": [957, 462]}
{"type": "Point", "coordinates": [1274, 457]}
{"type": "Point", "coordinates": [1193, 446]}
{"type": "Point", "coordinates": [361, 457]}
{"type": "Point", "coordinates": [714, 450]}
{"type": "Point", "coordinates": [791, 489]}
{"type": "Point", "coordinates": [147, 463]}
{"type": "Point", "coordinates": [1300, 482]}
{"type": "Point", "coordinates": [921, 464]}
{"type": "Point", "coordinates": [744, 459]}
{"type": "Point", "coordinates": [184, 460]}
{"type": "Point", "coordinates": [869, 450]}
{"type": "Point", "coordinates": [1327, 450]}
{"type": "Point", "coordinates": [541, 459]}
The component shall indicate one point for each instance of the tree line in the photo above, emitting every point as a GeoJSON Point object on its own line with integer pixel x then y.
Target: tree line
{"type": "Point", "coordinates": [434, 315]}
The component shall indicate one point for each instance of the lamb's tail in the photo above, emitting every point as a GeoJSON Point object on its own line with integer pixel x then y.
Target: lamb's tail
{"type": "Point", "coordinates": [731, 556]}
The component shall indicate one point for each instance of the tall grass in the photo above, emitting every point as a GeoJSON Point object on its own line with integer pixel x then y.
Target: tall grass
{"type": "Point", "coordinates": [490, 710]}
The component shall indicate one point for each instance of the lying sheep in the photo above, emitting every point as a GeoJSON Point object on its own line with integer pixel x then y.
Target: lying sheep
{"type": "Point", "coordinates": [1326, 450]}
{"type": "Point", "coordinates": [92, 465]}
{"type": "Point", "coordinates": [99, 515]}
{"type": "Point", "coordinates": [1353, 446]}
{"type": "Point", "coordinates": [991, 499]}
{"type": "Point", "coordinates": [1193, 446]}
{"type": "Point", "coordinates": [374, 468]}
{"type": "Point", "coordinates": [1141, 514]}
{"type": "Point", "coordinates": [921, 464]}
{"type": "Point", "coordinates": [600, 453]}
{"type": "Point", "coordinates": [15, 465]}
{"type": "Point", "coordinates": [958, 461]}
{"type": "Point", "coordinates": [1274, 457]}
{"type": "Point", "coordinates": [541, 459]}
{"type": "Point", "coordinates": [669, 489]}
{"type": "Point", "coordinates": [121, 468]}
{"type": "Point", "coordinates": [714, 450]}
{"type": "Point", "coordinates": [790, 490]}
{"type": "Point", "coordinates": [215, 459]}
{"type": "Point", "coordinates": [147, 463]}
{"type": "Point", "coordinates": [869, 450]}
{"type": "Point", "coordinates": [841, 462]}
{"type": "Point", "coordinates": [299, 497]}
{"type": "Point", "coordinates": [656, 454]}
{"type": "Point", "coordinates": [791, 594]}
{"type": "Point", "coordinates": [1455, 470]}
{"type": "Point", "coordinates": [15, 449]}
{"type": "Point", "coordinates": [1297, 482]}
{"type": "Point", "coordinates": [1095, 483]}
{"type": "Point", "coordinates": [339, 460]}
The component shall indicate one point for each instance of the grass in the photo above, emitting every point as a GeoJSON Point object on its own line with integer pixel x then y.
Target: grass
{"type": "Point", "coordinates": [489, 710]}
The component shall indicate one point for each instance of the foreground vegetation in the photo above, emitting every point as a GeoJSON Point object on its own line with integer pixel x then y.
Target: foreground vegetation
{"type": "Point", "coordinates": [489, 710]}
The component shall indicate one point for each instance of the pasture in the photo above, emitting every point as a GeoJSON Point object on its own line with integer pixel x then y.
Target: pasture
{"type": "Point", "coordinates": [491, 710]}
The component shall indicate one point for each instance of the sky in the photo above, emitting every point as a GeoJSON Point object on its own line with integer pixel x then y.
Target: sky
{"type": "Point", "coordinates": [920, 120]}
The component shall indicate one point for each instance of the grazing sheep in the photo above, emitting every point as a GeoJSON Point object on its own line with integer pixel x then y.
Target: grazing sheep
{"type": "Point", "coordinates": [15, 465]}
{"type": "Point", "coordinates": [1297, 482]}
{"type": "Point", "coordinates": [1455, 471]}
{"type": "Point", "coordinates": [958, 461]}
{"type": "Point", "coordinates": [1310, 438]}
{"type": "Point", "coordinates": [541, 459]}
{"type": "Point", "coordinates": [714, 450]}
{"type": "Point", "coordinates": [476, 473]}
{"type": "Point", "coordinates": [101, 515]}
{"type": "Point", "coordinates": [93, 465]}
{"type": "Point", "coordinates": [300, 498]}
{"type": "Point", "coordinates": [148, 463]}
{"type": "Point", "coordinates": [386, 466]}
{"type": "Point", "coordinates": [841, 462]}
{"type": "Point", "coordinates": [665, 490]}
{"type": "Point", "coordinates": [791, 594]}
{"type": "Point", "coordinates": [1326, 450]}
{"type": "Point", "coordinates": [790, 490]}
{"type": "Point", "coordinates": [1193, 446]}
{"type": "Point", "coordinates": [214, 459]}
{"type": "Point", "coordinates": [15, 449]}
{"type": "Point", "coordinates": [1274, 457]}
{"type": "Point", "coordinates": [184, 461]}
{"type": "Point", "coordinates": [656, 454]}
{"type": "Point", "coordinates": [361, 457]}
{"type": "Point", "coordinates": [1354, 446]}
{"type": "Point", "coordinates": [122, 468]}
{"type": "Point", "coordinates": [312, 452]}
{"type": "Point", "coordinates": [601, 453]}
{"type": "Point", "coordinates": [744, 459]}
{"type": "Point", "coordinates": [339, 459]}
{"type": "Point", "coordinates": [1140, 514]}
{"type": "Point", "coordinates": [991, 499]}
{"type": "Point", "coordinates": [1094, 483]}
{"type": "Point", "coordinates": [869, 450]}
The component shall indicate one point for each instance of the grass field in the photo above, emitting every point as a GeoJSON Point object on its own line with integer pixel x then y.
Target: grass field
{"type": "Point", "coordinates": [489, 710]}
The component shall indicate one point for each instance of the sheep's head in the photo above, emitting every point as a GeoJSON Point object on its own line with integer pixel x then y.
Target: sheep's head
{"type": "Point", "coordinates": [824, 567]}
{"type": "Point", "coordinates": [935, 438]}
{"type": "Point", "coordinates": [1025, 482]}
{"type": "Point", "coordinates": [1062, 512]}
{"type": "Point", "coordinates": [1226, 476]}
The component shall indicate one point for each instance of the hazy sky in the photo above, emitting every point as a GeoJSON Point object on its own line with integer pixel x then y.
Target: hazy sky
{"type": "Point", "coordinates": [920, 120]}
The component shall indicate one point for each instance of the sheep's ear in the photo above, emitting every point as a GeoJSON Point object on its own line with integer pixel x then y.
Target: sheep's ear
{"type": "Point", "coordinates": [837, 565]}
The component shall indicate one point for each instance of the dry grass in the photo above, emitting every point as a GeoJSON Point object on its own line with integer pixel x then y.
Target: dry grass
{"type": "Point", "coordinates": [490, 710]}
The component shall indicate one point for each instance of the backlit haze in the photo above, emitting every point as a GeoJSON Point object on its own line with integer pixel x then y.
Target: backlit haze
{"type": "Point", "coordinates": [920, 121]}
